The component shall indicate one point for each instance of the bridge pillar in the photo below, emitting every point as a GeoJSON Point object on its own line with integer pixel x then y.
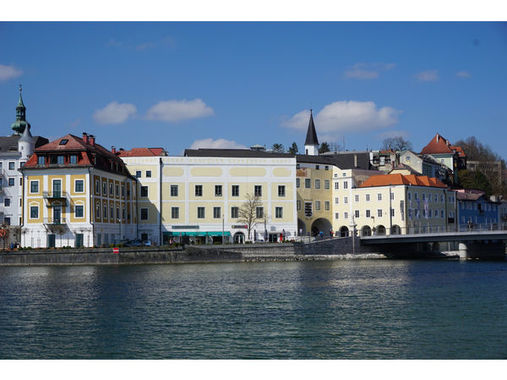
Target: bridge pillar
{"type": "Point", "coordinates": [486, 250]}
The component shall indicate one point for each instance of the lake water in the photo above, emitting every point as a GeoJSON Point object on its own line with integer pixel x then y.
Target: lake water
{"type": "Point", "coordinates": [348, 309]}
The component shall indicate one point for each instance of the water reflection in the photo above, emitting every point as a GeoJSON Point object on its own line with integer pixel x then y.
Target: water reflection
{"type": "Point", "coordinates": [342, 309]}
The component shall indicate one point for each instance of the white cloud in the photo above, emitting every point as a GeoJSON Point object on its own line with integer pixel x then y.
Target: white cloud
{"type": "Point", "coordinates": [367, 70]}
{"type": "Point", "coordinates": [463, 74]}
{"type": "Point", "coordinates": [178, 110]}
{"type": "Point", "coordinates": [216, 144]}
{"type": "Point", "coordinates": [427, 76]}
{"type": "Point", "coordinates": [114, 113]}
{"type": "Point", "coordinates": [345, 116]}
{"type": "Point", "coordinates": [9, 72]}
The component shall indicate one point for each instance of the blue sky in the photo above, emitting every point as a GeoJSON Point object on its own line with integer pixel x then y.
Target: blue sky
{"type": "Point", "coordinates": [178, 85]}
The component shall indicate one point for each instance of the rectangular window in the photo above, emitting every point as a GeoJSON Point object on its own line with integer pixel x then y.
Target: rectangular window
{"type": "Point", "coordinates": [409, 194]}
{"type": "Point", "coordinates": [279, 212]}
{"type": "Point", "coordinates": [317, 183]}
{"type": "Point", "coordinates": [200, 212]}
{"type": "Point", "coordinates": [97, 187]}
{"type": "Point", "coordinates": [117, 190]}
{"type": "Point", "coordinates": [298, 205]}
{"type": "Point", "coordinates": [317, 167]}
{"type": "Point", "coordinates": [11, 182]}
{"type": "Point", "coordinates": [144, 191]}
{"type": "Point", "coordinates": [235, 190]}
{"type": "Point", "coordinates": [336, 185]}
{"type": "Point", "coordinates": [368, 215]}
{"type": "Point", "coordinates": [7, 202]}
{"type": "Point", "coordinates": [12, 165]}
{"type": "Point", "coordinates": [298, 182]}
{"type": "Point", "coordinates": [379, 213]}
{"type": "Point", "coordinates": [337, 215]}
{"type": "Point", "coordinates": [73, 159]}
{"type": "Point", "coordinates": [392, 212]}
{"type": "Point", "coordinates": [175, 212]}
{"type": "Point", "coordinates": [258, 190]}
{"type": "Point", "coordinates": [326, 184]}
{"type": "Point", "coordinates": [308, 209]}
{"type": "Point", "coordinates": [317, 205]}
{"type": "Point", "coordinates": [78, 186]}
{"type": "Point", "coordinates": [356, 213]}
{"type": "Point", "coordinates": [326, 205]}
{"type": "Point", "coordinates": [174, 190]}
{"type": "Point", "coordinates": [379, 196]}
{"type": "Point", "coordinates": [34, 212]}
{"type": "Point", "coordinates": [198, 190]}
{"type": "Point", "coordinates": [217, 212]}
{"type": "Point", "coordinates": [79, 211]}
{"type": "Point", "coordinates": [234, 212]}
{"type": "Point", "coordinates": [337, 200]}
{"type": "Point", "coordinates": [281, 190]}
{"type": "Point", "coordinates": [345, 185]}
{"type": "Point", "coordinates": [410, 213]}
{"type": "Point", "coordinates": [138, 174]}
{"type": "Point", "coordinates": [367, 197]}
{"type": "Point", "coordinates": [148, 173]}
{"type": "Point", "coordinates": [59, 160]}
{"type": "Point", "coordinates": [346, 215]}
{"type": "Point", "coordinates": [111, 193]}
{"type": "Point", "coordinates": [326, 167]}
{"type": "Point", "coordinates": [34, 186]}
{"type": "Point", "coordinates": [111, 212]}
{"type": "Point", "coordinates": [104, 188]}
{"type": "Point", "coordinates": [308, 183]}
{"type": "Point", "coordinates": [356, 198]}
{"type": "Point", "coordinates": [259, 212]}
{"type": "Point", "coordinates": [144, 214]}
{"type": "Point", "coordinates": [123, 190]}
{"type": "Point", "coordinates": [392, 196]}
{"type": "Point", "coordinates": [218, 190]}
{"type": "Point", "coordinates": [345, 200]}
{"type": "Point", "coordinates": [40, 160]}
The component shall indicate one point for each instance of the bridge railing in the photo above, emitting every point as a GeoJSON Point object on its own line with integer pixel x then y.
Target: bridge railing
{"type": "Point", "coordinates": [426, 229]}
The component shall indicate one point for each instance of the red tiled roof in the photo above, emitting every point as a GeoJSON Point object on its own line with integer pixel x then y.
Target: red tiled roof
{"type": "Point", "coordinates": [439, 144]}
{"type": "Point", "coordinates": [142, 152]}
{"type": "Point", "coordinates": [400, 179]}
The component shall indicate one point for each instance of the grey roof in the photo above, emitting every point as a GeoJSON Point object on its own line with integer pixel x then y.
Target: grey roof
{"type": "Point", "coordinates": [10, 143]}
{"type": "Point", "coordinates": [343, 160]}
{"type": "Point", "coordinates": [311, 134]}
{"type": "Point", "coordinates": [234, 153]}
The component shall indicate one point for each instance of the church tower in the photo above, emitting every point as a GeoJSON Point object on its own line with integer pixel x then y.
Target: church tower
{"type": "Point", "coordinates": [26, 144]}
{"type": "Point", "coordinates": [311, 142]}
{"type": "Point", "coordinates": [20, 124]}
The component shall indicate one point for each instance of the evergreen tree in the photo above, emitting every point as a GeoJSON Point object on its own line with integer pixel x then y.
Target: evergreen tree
{"type": "Point", "coordinates": [294, 148]}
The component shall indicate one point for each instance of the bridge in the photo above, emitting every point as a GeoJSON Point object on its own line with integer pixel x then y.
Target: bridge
{"type": "Point", "coordinates": [485, 244]}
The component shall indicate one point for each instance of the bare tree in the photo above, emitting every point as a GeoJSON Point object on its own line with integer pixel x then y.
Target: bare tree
{"type": "Point", "coordinates": [397, 143]}
{"type": "Point", "coordinates": [248, 212]}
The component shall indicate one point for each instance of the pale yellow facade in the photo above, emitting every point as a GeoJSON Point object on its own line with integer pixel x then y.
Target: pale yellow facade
{"type": "Point", "coordinates": [200, 197]}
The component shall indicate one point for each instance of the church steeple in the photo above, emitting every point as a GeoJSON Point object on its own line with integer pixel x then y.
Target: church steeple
{"type": "Point", "coordinates": [311, 142]}
{"type": "Point", "coordinates": [20, 124]}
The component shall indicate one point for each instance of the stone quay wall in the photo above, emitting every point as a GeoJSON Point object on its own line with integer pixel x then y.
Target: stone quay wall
{"type": "Point", "coordinates": [318, 250]}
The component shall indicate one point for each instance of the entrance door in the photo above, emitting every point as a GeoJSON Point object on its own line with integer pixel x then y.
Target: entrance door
{"type": "Point", "coordinates": [57, 188]}
{"type": "Point", "coordinates": [79, 240]}
{"type": "Point", "coordinates": [51, 241]}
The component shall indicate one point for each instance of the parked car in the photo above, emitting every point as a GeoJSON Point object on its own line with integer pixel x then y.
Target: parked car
{"type": "Point", "coordinates": [134, 243]}
{"type": "Point", "coordinates": [147, 243]}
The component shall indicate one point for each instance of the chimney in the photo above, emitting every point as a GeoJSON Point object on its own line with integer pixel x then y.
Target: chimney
{"type": "Point", "coordinates": [113, 149]}
{"type": "Point", "coordinates": [85, 137]}
{"type": "Point", "coordinates": [355, 160]}
{"type": "Point", "coordinates": [437, 137]}
{"type": "Point", "coordinates": [91, 139]}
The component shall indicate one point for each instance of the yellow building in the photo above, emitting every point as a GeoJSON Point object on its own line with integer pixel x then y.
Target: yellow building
{"type": "Point", "coordinates": [199, 196]}
{"type": "Point", "coordinates": [76, 193]}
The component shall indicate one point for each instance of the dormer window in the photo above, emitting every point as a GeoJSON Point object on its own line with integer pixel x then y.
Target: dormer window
{"type": "Point", "coordinates": [63, 141]}
{"type": "Point", "coordinates": [40, 160]}
{"type": "Point", "coordinates": [59, 160]}
{"type": "Point", "coordinates": [73, 159]}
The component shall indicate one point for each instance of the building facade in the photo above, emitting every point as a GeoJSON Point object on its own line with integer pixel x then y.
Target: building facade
{"type": "Point", "coordinates": [77, 193]}
{"type": "Point", "coordinates": [476, 211]}
{"type": "Point", "coordinates": [199, 197]}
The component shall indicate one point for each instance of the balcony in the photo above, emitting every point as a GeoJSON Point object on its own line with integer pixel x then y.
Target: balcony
{"type": "Point", "coordinates": [56, 225]}
{"type": "Point", "coordinates": [55, 197]}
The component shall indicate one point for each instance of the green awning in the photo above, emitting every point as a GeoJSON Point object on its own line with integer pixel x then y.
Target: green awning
{"type": "Point", "coordinates": [197, 233]}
